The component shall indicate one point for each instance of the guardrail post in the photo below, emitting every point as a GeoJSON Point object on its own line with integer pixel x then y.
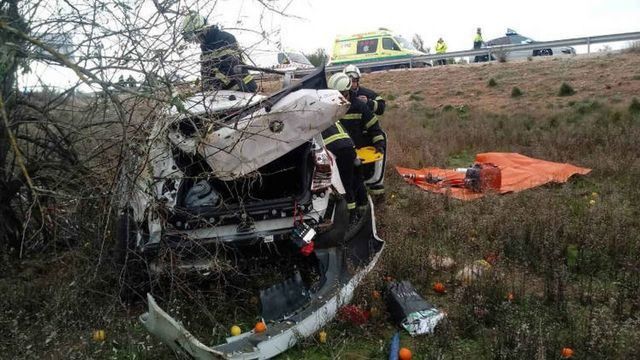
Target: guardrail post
{"type": "Point", "coordinates": [588, 45]}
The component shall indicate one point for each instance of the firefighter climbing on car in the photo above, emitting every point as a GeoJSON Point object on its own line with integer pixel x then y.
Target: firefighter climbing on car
{"type": "Point", "coordinates": [337, 140]}
{"type": "Point", "coordinates": [220, 56]}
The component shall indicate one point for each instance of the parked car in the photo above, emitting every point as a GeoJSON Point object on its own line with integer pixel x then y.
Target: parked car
{"type": "Point", "coordinates": [513, 38]}
{"type": "Point", "coordinates": [374, 46]}
{"type": "Point", "coordinates": [248, 173]}
{"type": "Point", "coordinates": [292, 61]}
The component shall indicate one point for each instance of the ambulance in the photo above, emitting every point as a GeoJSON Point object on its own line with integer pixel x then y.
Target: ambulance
{"type": "Point", "coordinates": [373, 46]}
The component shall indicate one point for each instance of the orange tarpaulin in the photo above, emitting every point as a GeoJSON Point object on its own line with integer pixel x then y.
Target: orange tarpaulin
{"type": "Point", "coordinates": [519, 173]}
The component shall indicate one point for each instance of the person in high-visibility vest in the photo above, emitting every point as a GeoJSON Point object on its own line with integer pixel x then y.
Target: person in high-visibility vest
{"type": "Point", "coordinates": [337, 138]}
{"type": "Point", "coordinates": [441, 48]}
{"type": "Point", "coordinates": [376, 104]}
{"type": "Point", "coordinates": [220, 56]}
{"type": "Point", "coordinates": [477, 44]}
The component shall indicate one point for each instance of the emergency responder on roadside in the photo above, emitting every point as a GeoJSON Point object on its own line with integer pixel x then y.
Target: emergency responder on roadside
{"type": "Point", "coordinates": [477, 44]}
{"type": "Point", "coordinates": [337, 140]}
{"type": "Point", "coordinates": [377, 105]}
{"type": "Point", "coordinates": [220, 56]}
{"type": "Point", "coordinates": [441, 48]}
{"type": "Point", "coordinates": [375, 102]}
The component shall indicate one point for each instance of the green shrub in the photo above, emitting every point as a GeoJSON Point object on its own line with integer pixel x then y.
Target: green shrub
{"type": "Point", "coordinates": [492, 83]}
{"type": "Point", "coordinates": [516, 92]}
{"type": "Point", "coordinates": [566, 90]}
{"type": "Point", "coordinates": [634, 107]}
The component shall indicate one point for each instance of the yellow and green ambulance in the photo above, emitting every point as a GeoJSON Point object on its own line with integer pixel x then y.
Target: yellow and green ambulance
{"type": "Point", "coordinates": [374, 46]}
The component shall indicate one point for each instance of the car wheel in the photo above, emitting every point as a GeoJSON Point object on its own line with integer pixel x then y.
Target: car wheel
{"type": "Point", "coordinates": [542, 52]}
{"type": "Point", "coordinates": [133, 276]}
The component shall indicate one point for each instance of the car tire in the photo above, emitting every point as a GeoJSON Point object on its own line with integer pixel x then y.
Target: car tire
{"type": "Point", "coordinates": [542, 52]}
{"type": "Point", "coordinates": [131, 267]}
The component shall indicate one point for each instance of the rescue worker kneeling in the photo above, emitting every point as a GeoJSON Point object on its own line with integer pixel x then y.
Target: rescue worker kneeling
{"type": "Point", "coordinates": [337, 140]}
{"type": "Point", "coordinates": [220, 56]}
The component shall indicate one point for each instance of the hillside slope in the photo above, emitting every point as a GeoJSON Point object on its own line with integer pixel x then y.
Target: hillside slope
{"type": "Point", "coordinates": [610, 78]}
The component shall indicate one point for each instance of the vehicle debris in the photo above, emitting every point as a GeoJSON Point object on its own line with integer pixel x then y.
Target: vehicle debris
{"type": "Point", "coordinates": [410, 310]}
{"type": "Point", "coordinates": [242, 170]}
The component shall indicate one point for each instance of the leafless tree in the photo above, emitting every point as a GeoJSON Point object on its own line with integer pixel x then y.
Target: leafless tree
{"type": "Point", "coordinates": [418, 43]}
{"type": "Point", "coordinates": [67, 132]}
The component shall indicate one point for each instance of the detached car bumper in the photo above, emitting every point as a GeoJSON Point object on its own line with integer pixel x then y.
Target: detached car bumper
{"type": "Point", "coordinates": [336, 289]}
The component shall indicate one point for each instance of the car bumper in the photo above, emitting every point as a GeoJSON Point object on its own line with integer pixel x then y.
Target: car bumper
{"type": "Point", "coordinates": [363, 252]}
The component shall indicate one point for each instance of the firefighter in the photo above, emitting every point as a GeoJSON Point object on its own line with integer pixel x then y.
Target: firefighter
{"type": "Point", "coordinates": [441, 48]}
{"type": "Point", "coordinates": [373, 136]}
{"type": "Point", "coordinates": [337, 140]}
{"type": "Point", "coordinates": [220, 56]}
{"type": "Point", "coordinates": [375, 102]}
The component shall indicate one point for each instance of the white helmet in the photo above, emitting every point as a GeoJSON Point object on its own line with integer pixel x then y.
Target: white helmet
{"type": "Point", "coordinates": [352, 71]}
{"type": "Point", "coordinates": [192, 24]}
{"type": "Point", "coordinates": [340, 82]}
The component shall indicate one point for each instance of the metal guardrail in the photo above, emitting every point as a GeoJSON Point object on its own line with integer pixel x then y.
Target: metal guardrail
{"type": "Point", "coordinates": [416, 60]}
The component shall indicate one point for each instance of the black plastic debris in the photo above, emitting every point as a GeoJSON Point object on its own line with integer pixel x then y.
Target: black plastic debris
{"type": "Point", "coordinates": [410, 310]}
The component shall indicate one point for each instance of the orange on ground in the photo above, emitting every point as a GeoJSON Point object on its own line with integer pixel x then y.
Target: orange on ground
{"type": "Point", "coordinates": [439, 288]}
{"type": "Point", "coordinates": [567, 352]}
{"type": "Point", "coordinates": [260, 327]}
{"type": "Point", "coordinates": [404, 354]}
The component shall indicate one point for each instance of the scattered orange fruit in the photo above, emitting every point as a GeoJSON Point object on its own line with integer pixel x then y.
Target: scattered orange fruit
{"type": "Point", "coordinates": [375, 294]}
{"type": "Point", "coordinates": [235, 330]}
{"type": "Point", "coordinates": [566, 352]}
{"type": "Point", "coordinates": [439, 288]}
{"type": "Point", "coordinates": [322, 337]}
{"type": "Point", "coordinates": [404, 354]}
{"type": "Point", "coordinates": [99, 335]}
{"type": "Point", "coordinates": [491, 258]}
{"type": "Point", "coordinates": [510, 296]}
{"type": "Point", "coordinates": [260, 327]}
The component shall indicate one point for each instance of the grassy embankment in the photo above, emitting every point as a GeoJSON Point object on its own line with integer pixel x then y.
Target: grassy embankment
{"type": "Point", "coordinates": [588, 299]}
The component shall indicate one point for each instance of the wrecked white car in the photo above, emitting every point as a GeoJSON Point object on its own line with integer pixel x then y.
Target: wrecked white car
{"type": "Point", "coordinates": [245, 171]}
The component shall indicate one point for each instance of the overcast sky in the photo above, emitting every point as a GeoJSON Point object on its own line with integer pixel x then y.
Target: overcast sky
{"type": "Point", "coordinates": [315, 24]}
{"type": "Point", "coordinates": [455, 21]}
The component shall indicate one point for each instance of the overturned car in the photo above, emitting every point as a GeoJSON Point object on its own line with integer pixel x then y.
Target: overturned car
{"type": "Point", "coordinates": [244, 171]}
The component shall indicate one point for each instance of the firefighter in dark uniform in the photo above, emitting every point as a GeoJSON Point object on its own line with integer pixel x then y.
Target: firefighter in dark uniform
{"type": "Point", "coordinates": [220, 56]}
{"type": "Point", "coordinates": [375, 102]}
{"type": "Point", "coordinates": [377, 105]}
{"type": "Point", "coordinates": [338, 140]}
